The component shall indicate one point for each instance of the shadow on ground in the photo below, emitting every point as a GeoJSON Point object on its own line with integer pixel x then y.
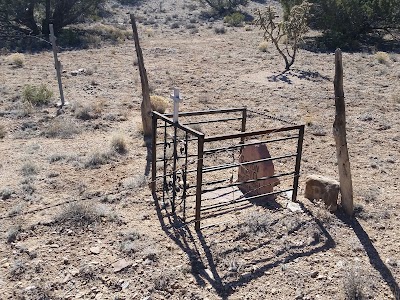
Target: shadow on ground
{"type": "Point", "coordinates": [205, 263]}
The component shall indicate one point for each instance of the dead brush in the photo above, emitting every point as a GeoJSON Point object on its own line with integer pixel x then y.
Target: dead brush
{"type": "Point", "coordinates": [118, 144]}
{"type": "Point", "coordinates": [17, 60]}
{"type": "Point", "coordinates": [255, 223]}
{"type": "Point", "coordinates": [80, 214]}
{"type": "Point", "coordinates": [159, 103]}
{"type": "Point", "coordinates": [354, 284]}
{"type": "Point", "coordinates": [3, 131]}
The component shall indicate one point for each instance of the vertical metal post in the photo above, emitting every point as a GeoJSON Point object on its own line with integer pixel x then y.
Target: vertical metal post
{"type": "Point", "coordinates": [199, 182]}
{"type": "Point", "coordinates": [175, 154]}
{"type": "Point", "coordinates": [184, 176]}
{"type": "Point", "coordinates": [57, 63]}
{"type": "Point", "coordinates": [154, 156]}
{"type": "Point", "coordinates": [244, 120]}
{"type": "Point", "coordinates": [165, 186]}
{"type": "Point", "coordinates": [298, 162]}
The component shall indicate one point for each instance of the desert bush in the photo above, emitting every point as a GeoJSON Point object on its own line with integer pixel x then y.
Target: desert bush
{"type": "Point", "coordinates": [344, 22]}
{"type": "Point", "coordinates": [235, 19]}
{"type": "Point", "coordinates": [12, 233]}
{"type": "Point", "coordinates": [6, 193]}
{"type": "Point", "coordinates": [220, 30]}
{"type": "Point", "coordinates": [33, 16]}
{"type": "Point", "coordinates": [29, 169]}
{"type": "Point", "coordinates": [291, 30]}
{"type": "Point", "coordinates": [354, 284]}
{"type": "Point", "coordinates": [254, 224]}
{"type": "Point", "coordinates": [2, 131]}
{"type": "Point", "coordinates": [15, 210]}
{"type": "Point", "coordinates": [80, 214]}
{"type": "Point", "coordinates": [263, 46]}
{"type": "Point", "coordinates": [118, 144]}
{"type": "Point", "coordinates": [37, 95]}
{"type": "Point", "coordinates": [17, 60]}
{"type": "Point", "coordinates": [382, 57]}
{"type": "Point", "coordinates": [85, 112]}
{"type": "Point", "coordinates": [225, 6]}
{"type": "Point", "coordinates": [159, 103]}
{"type": "Point", "coordinates": [61, 128]}
{"type": "Point", "coordinates": [97, 159]}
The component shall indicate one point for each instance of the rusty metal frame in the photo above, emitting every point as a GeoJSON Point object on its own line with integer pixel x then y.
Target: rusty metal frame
{"type": "Point", "coordinates": [202, 140]}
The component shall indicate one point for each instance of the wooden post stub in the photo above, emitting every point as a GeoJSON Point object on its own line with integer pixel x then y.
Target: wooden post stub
{"type": "Point", "coordinates": [146, 105]}
{"type": "Point", "coordinates": [56, 64]}
{"type": "Point", "coordinates": [339, 132]}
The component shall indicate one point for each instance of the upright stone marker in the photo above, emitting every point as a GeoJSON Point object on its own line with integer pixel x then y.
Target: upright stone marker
{"type": "Point", "coordinates": [252, 172]}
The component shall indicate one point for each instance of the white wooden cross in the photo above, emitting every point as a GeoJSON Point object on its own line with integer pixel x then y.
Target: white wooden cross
{"type": "Point", "coordinates": [176, 98]}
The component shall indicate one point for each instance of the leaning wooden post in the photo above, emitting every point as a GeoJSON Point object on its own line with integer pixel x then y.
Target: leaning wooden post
{"type": "Point", "coordinates": [57, 63]}
{"type": "Point", "coordinates": [146, 105]}
{"type": "Point", "coordinates": [339, 132]}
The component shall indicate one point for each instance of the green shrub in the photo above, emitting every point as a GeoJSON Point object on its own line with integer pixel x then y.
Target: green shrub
{"type": "Point", "coordinates": [37, 95]}
{"type": "Point", "coordinates": [286, 35]}
{"type": "Point", "coordinates": [225, 6]}
{"type": "Point", "coordinates": [236, 19]}
{"type": "Point", "coordinates": [344, 22]}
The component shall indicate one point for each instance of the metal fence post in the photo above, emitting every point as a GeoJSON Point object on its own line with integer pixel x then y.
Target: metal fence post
{"type": "Point", "coordinates": [154, 156]}
{"type": "Point", "coordinates": [200, 156]}
{"type": "Point", "coordinates": [298, 161]}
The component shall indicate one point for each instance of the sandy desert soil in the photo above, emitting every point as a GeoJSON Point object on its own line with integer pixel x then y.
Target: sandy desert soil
{"type": "Point", "coordinates": [124, 247]}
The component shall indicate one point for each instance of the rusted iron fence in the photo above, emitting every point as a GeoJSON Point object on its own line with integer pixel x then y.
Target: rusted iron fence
{"type": "Point", "coordinates": [194, 169]}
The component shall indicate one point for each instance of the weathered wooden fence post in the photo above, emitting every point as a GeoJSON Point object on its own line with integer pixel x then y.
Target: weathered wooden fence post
{"type": "Point", "coordinates": [57, 64]}
{"type": "Point", "coordinates": [339, 132]}
{"type": "Point", "coordinates": [146, 105]}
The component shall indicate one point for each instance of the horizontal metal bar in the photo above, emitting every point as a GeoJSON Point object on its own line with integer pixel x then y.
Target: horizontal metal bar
{"type": "Point", "coordinates": [177, 124]}
{"type": "Point", "coordinates": [229, 166]}
{"type": "Point", "coordinates": [250, 133]}
{"type": "Point", "coordinates": [167, 159]}
{"type": "Point", "coordinates": [213, 121]}
{"type": "Point", "coordinates": [250, 144]}
{"type": "Point", "coordinates": [215, 182]}
{"type": "Point", "coordinates": [249, 181]}
{"type": "Point", "coordinates": [208, 112]}
{"type": "Point", "coordinates": [189, 140]}
{"type": "Point", "coordinates": [244, 198]}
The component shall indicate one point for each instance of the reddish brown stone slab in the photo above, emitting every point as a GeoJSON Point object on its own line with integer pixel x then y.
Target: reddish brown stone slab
{"type": "Point", "coordinates": [256, 171]}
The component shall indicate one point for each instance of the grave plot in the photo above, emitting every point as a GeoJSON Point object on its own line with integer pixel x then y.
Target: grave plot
{"type": "Point", "coordinates": [209, 164]}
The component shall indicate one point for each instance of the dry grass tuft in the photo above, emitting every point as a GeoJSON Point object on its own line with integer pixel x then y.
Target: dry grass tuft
{"type": "Point", "coordinates": [3, 131]}
{"type": "Point", "coordinates": [37, 95]}
{"type": "Point", "coordinates": [17, 60]}
{"type": "Point", "coordinates": [382, 57]}
{"type": "Point", "coordinates": [263, 46]}
{"type": "Point", "coordinates": [80, 214]}
{"type": "Point", "coordinates": [159, 103]}
{"type": "Point", "coordinates": [118, 144]}
{"type": "Point", "coordinates": [97, 159]}
{"type": "Point", "coordinates": [12, 233]}
{"type": "Point", "coordinates": [354, 283]}
{"type": "Point", "coordinates": [29, 169]}
{"type": "Point", "coordinates": [61, 128]}
{"type": "Point", "coordinates": [254, 223]}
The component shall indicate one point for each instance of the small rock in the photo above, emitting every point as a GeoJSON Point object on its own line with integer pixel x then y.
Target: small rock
{"type": "Point", "coordinates": [98, 296]}
{"type": "Point", "coordinates": [391, 262]}
{"type": "Point", "coordinates": [274, 291]}
{"type": "Point", "coordinates": [209, 273]}
{"type": "Point", "coordinates": [314, 274]}
{"type": "Point", "coordinates": [95, 250]}
{"type": "Point", "coordinates": [293, 206]}
{"type": "Point", "coordinates": [66, 278]}
{"type": "Point", "coordinates": [74, 73]}
{"type": "Point", "coordinates": [120, 265]}
{"type": "Point", "coordinates": [125, 285]}
{"type": "Point", "coordinates": [299, 295]}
